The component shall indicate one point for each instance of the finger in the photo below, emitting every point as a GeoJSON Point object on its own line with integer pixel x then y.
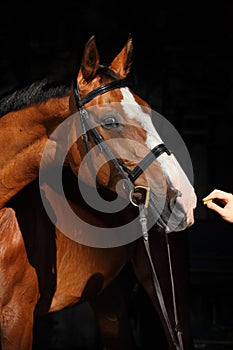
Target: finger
{"type": "Point", "coordinates": [219, 195]}
{"type": "Point", "coordinates": [211, 195]}
{"type": "Point", "coordinates": [215, 207]}
{"type": "Point", "coordinates": [205, 201]}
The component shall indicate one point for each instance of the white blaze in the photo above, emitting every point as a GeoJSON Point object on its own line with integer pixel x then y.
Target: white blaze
{"type": "Point", "coordinates": [134, 111]}
{"type": "Point", "coordinates": [172, 169]}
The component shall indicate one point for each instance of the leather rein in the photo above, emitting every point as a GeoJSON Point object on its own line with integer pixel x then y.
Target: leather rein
{"type": "Point", "coordinates": [130, 177]}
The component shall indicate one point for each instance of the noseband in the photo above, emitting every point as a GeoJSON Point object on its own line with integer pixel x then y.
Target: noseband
{"type": "Point", "coordinates": [127, 174]}
{"type": "Point", "coordinates": [131, 176]}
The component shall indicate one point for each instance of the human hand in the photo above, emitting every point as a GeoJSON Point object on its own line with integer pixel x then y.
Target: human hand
{"type": "Point", "coordinates": [226, 198]}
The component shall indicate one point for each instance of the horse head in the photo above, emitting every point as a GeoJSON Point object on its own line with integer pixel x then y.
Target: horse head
{"type": "Point", "coordinates": [125, 151]}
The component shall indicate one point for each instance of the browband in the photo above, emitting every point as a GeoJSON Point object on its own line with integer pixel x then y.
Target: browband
{"type": "Point", "coordinates": [98, 91]}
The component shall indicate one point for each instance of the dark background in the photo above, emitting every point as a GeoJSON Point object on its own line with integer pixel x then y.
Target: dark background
{"type": "Point", "coordinates": [183, 67]}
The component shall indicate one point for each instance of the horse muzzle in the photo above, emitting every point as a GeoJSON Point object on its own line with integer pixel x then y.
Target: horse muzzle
{"type": "Point", "coordinates": [169, 213]}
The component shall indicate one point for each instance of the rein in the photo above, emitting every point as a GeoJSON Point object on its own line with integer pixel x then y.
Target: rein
{"type": "Point", "coordinates": [130, 177]}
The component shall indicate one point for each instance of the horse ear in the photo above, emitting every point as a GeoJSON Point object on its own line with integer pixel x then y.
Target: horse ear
{"type": "Point", "coordinates": [90, 62]}
{"type": "Point", "coordinates": [122, 62]}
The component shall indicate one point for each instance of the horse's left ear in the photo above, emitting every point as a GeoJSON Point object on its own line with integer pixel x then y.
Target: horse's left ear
{"type": "Point", "coordinates": [122, 62]}
{"type": "Point", "coordinates": [90, 62]}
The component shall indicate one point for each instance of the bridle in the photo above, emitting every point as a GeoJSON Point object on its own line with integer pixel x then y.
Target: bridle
{"type": "Point", "coordinates": [130, 177]}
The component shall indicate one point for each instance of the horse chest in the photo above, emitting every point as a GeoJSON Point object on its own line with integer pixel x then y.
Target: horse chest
{"type": "Point", "coordinates": [83, 272]}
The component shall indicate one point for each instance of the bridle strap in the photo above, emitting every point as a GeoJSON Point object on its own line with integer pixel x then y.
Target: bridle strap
{"type": "Point", "coordinates": [115, 84]}
{"type": "Point", "coordinates": [85, 121]}
{"type": "Point", "coordinates": [145, 162]}
{"type": "Point", "coordinates": [149, 158]}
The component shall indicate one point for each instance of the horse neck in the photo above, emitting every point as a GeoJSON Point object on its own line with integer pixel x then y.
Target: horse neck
{"type": "Point", "coordinates": [23, 137]}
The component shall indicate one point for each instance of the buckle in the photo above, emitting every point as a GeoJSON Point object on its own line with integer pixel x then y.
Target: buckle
{"type": "Point", "coordinates": [140, 195]}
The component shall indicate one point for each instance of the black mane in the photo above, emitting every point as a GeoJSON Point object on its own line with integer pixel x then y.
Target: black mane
{"type": "Point", "coordinates": [35, 93]}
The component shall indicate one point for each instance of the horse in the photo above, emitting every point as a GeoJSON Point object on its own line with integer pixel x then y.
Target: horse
{"type": "Point", "coordinates": [95, 138]}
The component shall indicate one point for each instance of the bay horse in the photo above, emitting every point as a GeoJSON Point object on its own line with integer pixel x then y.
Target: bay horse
{"type": "Point", "coordinates": [98, 131]}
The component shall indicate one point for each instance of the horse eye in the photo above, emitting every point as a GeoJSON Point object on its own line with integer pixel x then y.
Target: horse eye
{"type": "Point", "coordinates": [110, 122]}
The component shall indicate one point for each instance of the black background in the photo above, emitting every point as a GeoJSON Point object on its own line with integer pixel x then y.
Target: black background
{"type": "Point", "coordinates": [183, 66]}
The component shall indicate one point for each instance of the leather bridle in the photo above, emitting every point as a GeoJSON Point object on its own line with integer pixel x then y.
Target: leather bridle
{"type": "Point", "coordinates": [130, 176]}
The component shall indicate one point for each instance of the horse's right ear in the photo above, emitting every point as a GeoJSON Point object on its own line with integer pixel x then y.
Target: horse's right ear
{"type": "Point", "coordinates": [89, 63]}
